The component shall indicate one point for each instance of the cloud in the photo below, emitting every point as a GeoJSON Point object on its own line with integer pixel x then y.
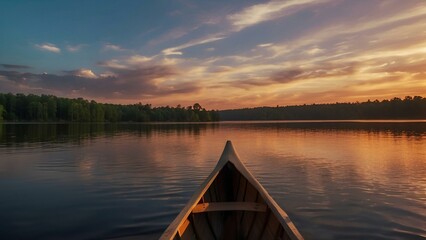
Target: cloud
{"type": "Point", "coordinates": [75, 48]}
{"type": "Point", "coordinates": [129, 62]}
{"type": "Point", "coordinates": [415, 13]}
{"type": "Point", "coordinates": [263, 45]}
{"type": "Point", "coordinates": [112, 47]}
{"type": "Point", "coordinates": [280, 77]}
{"type": "Point", "coordinates": [138, 59]}
{"type": "Point", "coordinates": [314, 51]}
{"type": "Point", "coordinates": [171, 51]}
{"type": "Point", "coordinates": [133, 82]}
{"type": "Point", "coordinates": [258, 13]}
{"type": "Point", "coordinates": [220, 69]}
{"type": "Point", "coordinates": [247, 17]}
{"type": "Point", "coordinates": [173, 34]}
{"type": "Point", "coordinates": [327, 58]}
{"type": "Point", "coordinates": [292, 74]}
{"type": "Point", "coordinates": [82, 72]}
{"type": "Point", "coordinates": [113, 63]}
{"type": "Point", "coordinates": [15, 66]}
{"type": "Point", "coordinates": [176, 50]}
{"type": "Point", "coordinates": [286, 76]}
{"type": "Point", "coordinates": [50, 47]}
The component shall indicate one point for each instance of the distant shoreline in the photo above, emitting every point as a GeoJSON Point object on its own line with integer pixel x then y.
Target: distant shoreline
{"type": "Point", "coordinates": [47, 108]}
{"type": "Point", "coordinates": [238, 121]}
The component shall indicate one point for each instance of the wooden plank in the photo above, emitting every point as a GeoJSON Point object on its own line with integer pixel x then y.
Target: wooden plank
{"type": "Point", "coordinates": [229, 206]}
{"type": "Point", "coordinates": [264, 225]}
{"type": "Point", "coordinates": [197, 236]}
{"type": "Point", "coordinates": [247, 228]}
{"type": "Point", "coordinates": [209, 224]}
{"type": "Point", "coordinates": [182, 228]}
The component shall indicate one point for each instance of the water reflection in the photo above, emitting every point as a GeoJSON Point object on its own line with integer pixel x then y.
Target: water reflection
{"type": "Point", "coordinates": [335, 179]}
{"type": "Point", "coordinates": [29, 133]}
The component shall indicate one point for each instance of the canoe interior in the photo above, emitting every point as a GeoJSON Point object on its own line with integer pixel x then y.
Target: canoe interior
{"type": "Point", "coordinates": [231, 186]}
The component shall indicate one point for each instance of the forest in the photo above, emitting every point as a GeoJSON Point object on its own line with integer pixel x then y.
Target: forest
{"type": "Point", "coordinates": [48, 108]}
{"type": "Point", "coordinates": [396, 108]}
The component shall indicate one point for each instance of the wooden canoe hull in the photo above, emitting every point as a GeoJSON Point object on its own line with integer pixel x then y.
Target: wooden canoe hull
{"type": "Point", "coordinates": [231, 204]}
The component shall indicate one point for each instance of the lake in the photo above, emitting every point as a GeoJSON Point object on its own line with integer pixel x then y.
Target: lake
{"type": "Point", "coordinates": [336, 180]}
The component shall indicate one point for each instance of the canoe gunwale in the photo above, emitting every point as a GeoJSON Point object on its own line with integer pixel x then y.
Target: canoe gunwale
{"type": "Point", "coordinates": [229, 155]}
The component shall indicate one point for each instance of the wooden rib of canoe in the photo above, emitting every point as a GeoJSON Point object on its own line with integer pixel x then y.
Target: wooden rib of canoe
{"type": "Point", "coordinates": [231, 204]}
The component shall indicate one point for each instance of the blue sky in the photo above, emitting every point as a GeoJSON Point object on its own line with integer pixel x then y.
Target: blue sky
{"type": "Point", "coordinates": [223, 54]}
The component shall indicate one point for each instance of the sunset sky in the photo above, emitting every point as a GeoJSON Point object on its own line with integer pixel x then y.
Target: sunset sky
{"type": "Point", "coordinates": [223, 54]}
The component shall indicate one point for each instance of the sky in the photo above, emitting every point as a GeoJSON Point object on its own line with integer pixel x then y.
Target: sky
{"type": "Point", "coordinates": [222, 54]}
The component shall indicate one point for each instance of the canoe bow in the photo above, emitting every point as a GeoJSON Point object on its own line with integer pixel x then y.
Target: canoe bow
{"type": "Point", "coordinates": [194, 205]}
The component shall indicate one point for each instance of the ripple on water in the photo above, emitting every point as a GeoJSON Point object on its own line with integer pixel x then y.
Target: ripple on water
{"type": "Point", "coordinates": [336, 181]}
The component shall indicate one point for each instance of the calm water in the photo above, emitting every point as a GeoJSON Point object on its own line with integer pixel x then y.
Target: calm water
{"type": "Point", "coordinates": [344, 180]}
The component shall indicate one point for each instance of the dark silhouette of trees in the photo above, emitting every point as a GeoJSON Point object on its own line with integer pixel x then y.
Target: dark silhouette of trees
{"type": "Point", "coordinates": [1, 112]}
{"type": "Point", "coordinates": [396, 108]}
{"type": "Point", "coordinates": [31, 107]}
{"type": "Point", "coordinates": [20, 107]}
{"type": "Point", "coordinates": [197, 107]}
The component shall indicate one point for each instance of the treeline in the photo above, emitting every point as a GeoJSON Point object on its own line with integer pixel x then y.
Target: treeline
{"type": "Point", "coordinates": [396, 108]}
{"type": "Point", "coordinates": [21, 107]}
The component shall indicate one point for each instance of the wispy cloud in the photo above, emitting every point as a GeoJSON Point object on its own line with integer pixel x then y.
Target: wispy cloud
{"type": "Point", "coordinates": [173, 34]}
{"type": "Point", "coordinates": [265, 12]}
{"type": "Point", "coordinates": [75, 48]}
{"type": "Point", "coordinates": [349, 64]}
{"type": "Point", "coordinates": [112, 47]}
{"type": "Point", "coordinates": [314, 51]}
{"type": "Point", "coordinates": [248, 16]}
{"type": "Point", "coordinates": [130, 62]}
{"type": "Point", "coordinates": [265, 45]}
{"type": "Point", "coordinates": [176, 50]}
{"type": "Point", "coordinates": [50, 47]}
{"type": "Point", "coordinates": [15, 66]}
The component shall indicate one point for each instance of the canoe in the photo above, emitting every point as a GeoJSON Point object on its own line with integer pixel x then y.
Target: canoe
{"type": "Point", "coordinates": [231, 204]}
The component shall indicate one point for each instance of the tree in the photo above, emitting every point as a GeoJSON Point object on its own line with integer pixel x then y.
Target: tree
{"type": "Point", "coordinates": [74, 112]}
{"type": "Point", "coordinates": [197, 107]}
{"type": "Point", "coordinates": [1, 112]}
{"type": "Point", "coordinates": [204, 116]}
{"type": "Point", "coordinates": [36, 111]}
{"type": "Point", "coordinates": [21, 107]}
{"type": "Point", "coordinates": [10, 107]}
{"type": "Point", "coordinates": [51, 108]}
